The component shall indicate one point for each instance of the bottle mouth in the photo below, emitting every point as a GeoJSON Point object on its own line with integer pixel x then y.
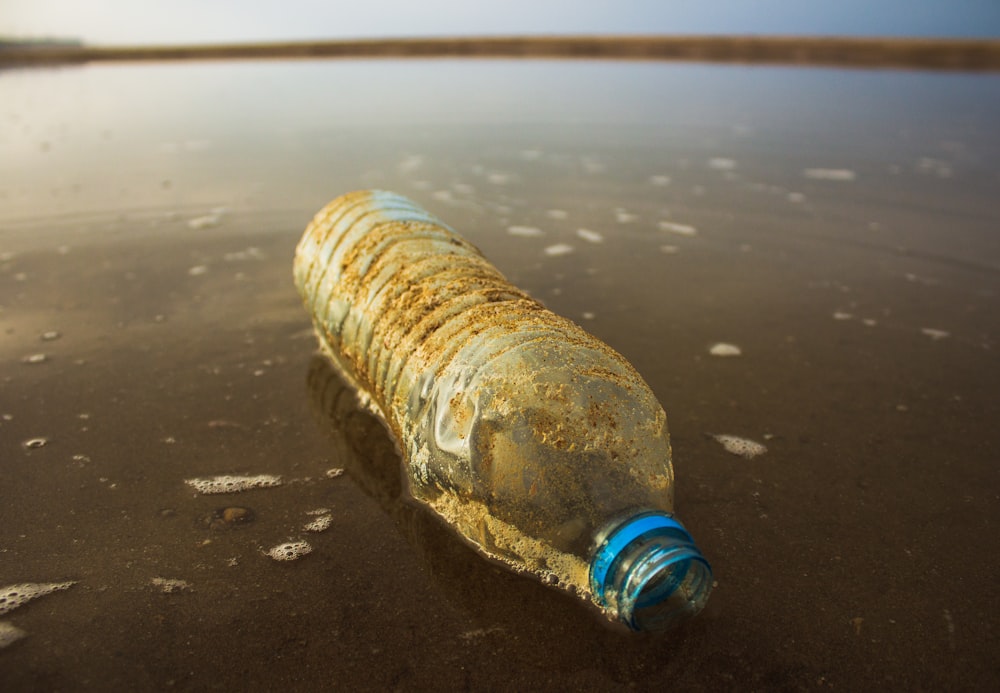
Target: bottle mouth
{"type": "Point", "coordinates": [648, 571]}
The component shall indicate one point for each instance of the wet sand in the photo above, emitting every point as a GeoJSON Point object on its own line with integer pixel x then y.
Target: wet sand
{"type": "Point", "coordinates": [839, 227]}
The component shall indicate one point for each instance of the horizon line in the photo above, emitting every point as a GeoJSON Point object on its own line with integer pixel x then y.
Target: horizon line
{"type": "Point", "coordinates": [819, 50]}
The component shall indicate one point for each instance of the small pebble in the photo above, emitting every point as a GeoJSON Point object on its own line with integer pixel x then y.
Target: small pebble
{"type": "Point", "coordinates": [227, 518]}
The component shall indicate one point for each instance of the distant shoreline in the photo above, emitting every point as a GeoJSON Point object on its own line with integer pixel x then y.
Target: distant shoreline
{"type": "Point", "coordinates": [933, 54]}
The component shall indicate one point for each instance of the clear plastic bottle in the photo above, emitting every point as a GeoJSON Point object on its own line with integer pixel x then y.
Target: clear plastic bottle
{"type": "Point", "coordinates": [537, 442]}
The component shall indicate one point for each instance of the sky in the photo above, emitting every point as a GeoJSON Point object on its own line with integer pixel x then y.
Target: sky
{"type": "Point", "coordinates": [120, 22]}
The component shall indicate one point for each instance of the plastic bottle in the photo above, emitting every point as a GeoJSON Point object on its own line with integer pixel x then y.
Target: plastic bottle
{"type": "Point", "coordinates": [534, 440]}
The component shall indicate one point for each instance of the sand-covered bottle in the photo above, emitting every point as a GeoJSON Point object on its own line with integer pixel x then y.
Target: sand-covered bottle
{"type": "Point", "coordinates": [534, 440]}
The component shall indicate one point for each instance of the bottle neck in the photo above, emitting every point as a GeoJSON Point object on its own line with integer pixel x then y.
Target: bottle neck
{"type": "Point", "coordinates": [648, 571]}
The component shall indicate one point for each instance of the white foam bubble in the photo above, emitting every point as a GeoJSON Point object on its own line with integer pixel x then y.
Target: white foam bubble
{"type": "Point", "coordinates": [937, 167]}
{"type": "Point", "coordinates": [320, 524]}
{"type": "Point", "coordinates": [559, 249]}
{"type": "Point", "coordinates": [170, 585]}
{"type": "Point", "coordinates": [13, 596]}
{"type": "Point", "coordinates": [251, 253]}
{"type": "Point", "coordinates": [680, 229]}
{"type": "Point", "coordinates": [723, 349]}
{"type": "Point", "coordinates": [471, 635]}
{"type": "Point", "coordinates": [410, 163]}
{"type": "Point", "coordinates": [232, 483]}
{"type": "Point", "coordinates": [659, 180]}
{"type": "Point", "coordinates": [934, 333]}
{"type": "Point", "coordinates": [590, 236]}
{"type": "Point", "coordinates": [744, 447]}
{"type": "Point", "coordinates": [624, 217]}
{"type": "Point", "coordinates": [334, 472]}
{"type": "Point", "coordinates": [721, 164]}
{"type": "Point", "coordinates": [524, 231]}
{"type": "Point", "coordinates": [206, 221]}
{"type": "Point", "coordinates": [9, 634]}
{"type": "Point", "coordinates": [837, 174]}
{"type": "Point", "coordinates": [289, 551]}
{"type": "Point", "coordinates": [198, 270]}
{"type": "Point", "coordinates": [669, 249]}
{"type": "Point", "coordinates": [557, 214]}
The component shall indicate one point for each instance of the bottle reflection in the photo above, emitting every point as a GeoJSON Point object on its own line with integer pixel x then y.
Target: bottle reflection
{"type": "Point", "coordinates": [367, 452]}
{"type": "Point", "coordinates": [492, 596]}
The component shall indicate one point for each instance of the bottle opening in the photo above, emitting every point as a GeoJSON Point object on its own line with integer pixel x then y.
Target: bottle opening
{"type": "Point", "coordinates": [649, 571]}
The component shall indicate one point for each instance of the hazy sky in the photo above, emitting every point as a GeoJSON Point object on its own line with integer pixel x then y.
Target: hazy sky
{"type": "Point", "coordinates": [185, 21]}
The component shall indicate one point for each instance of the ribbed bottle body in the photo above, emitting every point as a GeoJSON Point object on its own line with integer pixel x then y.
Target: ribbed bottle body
{"type": "Point", "coordinates": [522, 430]}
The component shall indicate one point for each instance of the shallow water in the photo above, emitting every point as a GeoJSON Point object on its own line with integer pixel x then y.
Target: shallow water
{"type": "Point", "coordinates": [838, 228]}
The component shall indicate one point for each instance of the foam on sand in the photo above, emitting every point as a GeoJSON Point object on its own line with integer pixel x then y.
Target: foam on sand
{"type": "Point", "coordinates": [232, 484]}
{"type": "Point", "coordinates": [744, 447]}
{"type": "Point", "coordinates": [13, 596]}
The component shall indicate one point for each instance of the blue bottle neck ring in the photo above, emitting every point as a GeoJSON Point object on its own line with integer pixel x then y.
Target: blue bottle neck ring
{"type": "Point", "coordinates": [649, 572]}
